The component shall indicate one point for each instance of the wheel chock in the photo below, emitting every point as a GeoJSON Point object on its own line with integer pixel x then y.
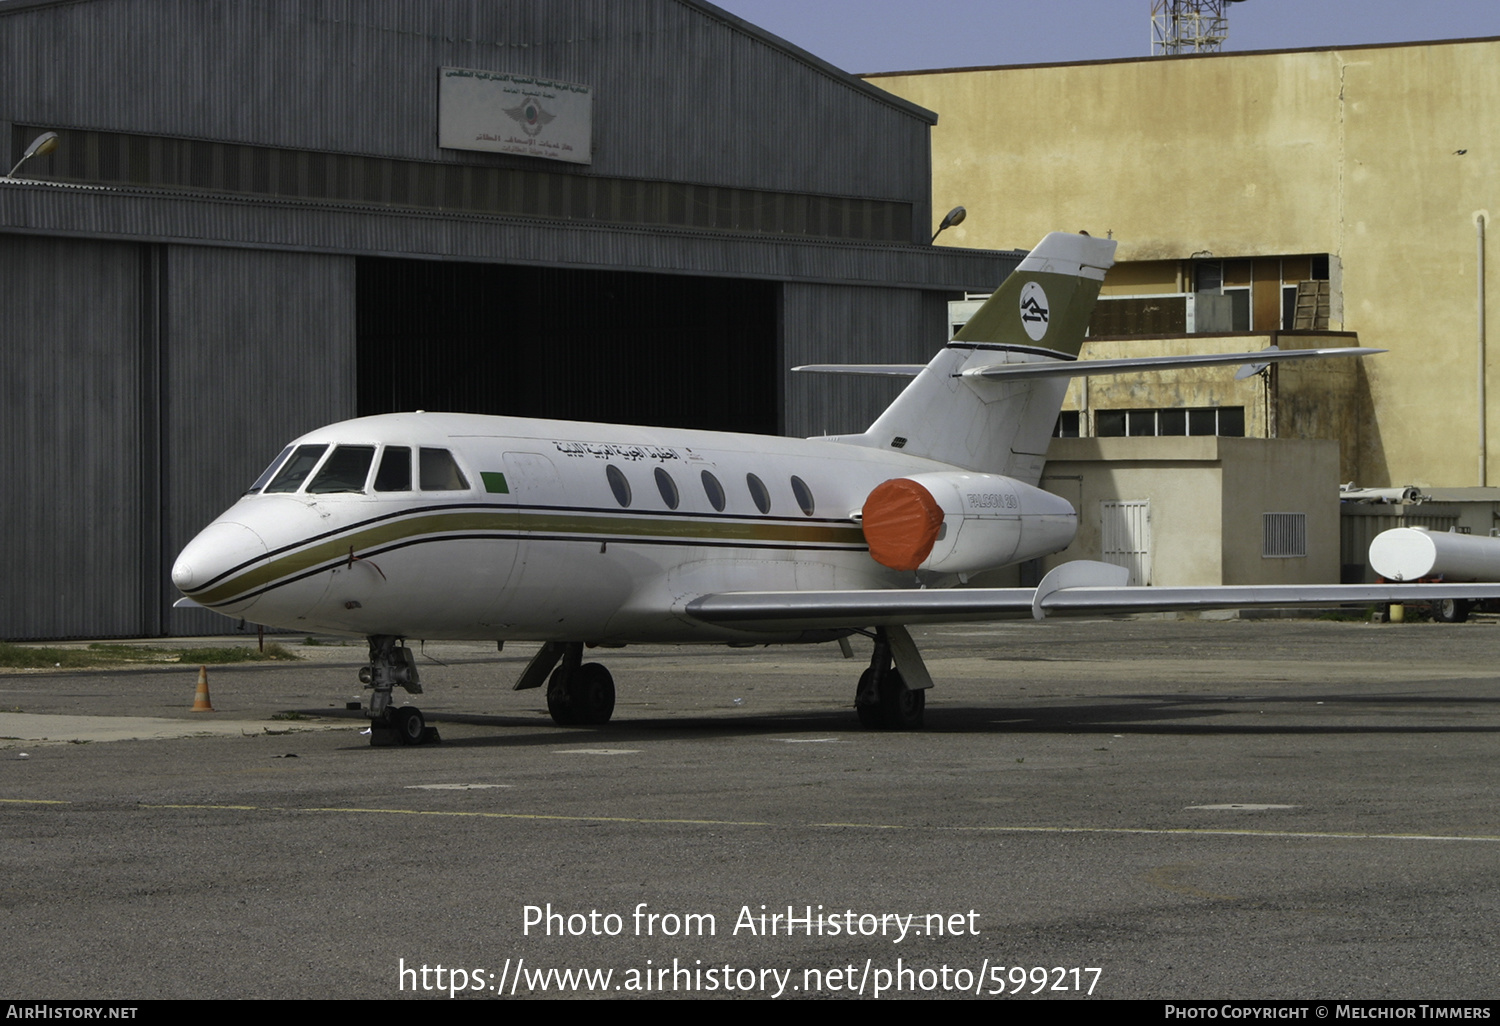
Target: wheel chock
{"type": "Point", "coordinates": [388, 737]}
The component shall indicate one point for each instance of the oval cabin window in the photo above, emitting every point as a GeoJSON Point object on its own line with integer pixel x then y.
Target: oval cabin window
{"type": "Point", "coordinates": [714, 491]}
{"type": "Point", "coordinates": [804, 495]}
{"type": "Point", "coordinates": [668, 488]}
{"type": "Point", "coordinates": [618, 484]}
{"type": "Point", "coordinates": [758, 493]}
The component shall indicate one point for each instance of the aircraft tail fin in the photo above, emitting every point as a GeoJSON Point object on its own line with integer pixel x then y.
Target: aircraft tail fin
{"type": "Point", "coordinates": [1046, 302]}
{"type": "Point", "coordinates": [1039, 314]}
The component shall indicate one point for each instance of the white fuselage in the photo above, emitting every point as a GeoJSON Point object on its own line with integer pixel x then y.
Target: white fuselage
{"type": "Point", "coordinates": [537, 539]}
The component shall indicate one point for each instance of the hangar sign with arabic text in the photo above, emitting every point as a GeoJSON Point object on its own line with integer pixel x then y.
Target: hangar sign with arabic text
{"type": "Point", "coordinates": [498, 113]}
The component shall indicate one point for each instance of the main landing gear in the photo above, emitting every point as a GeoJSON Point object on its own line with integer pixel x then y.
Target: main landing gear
{"type": "Point", "coordinates": [883, 699]}
{"type": "Point", "coordinates": [391, 665]}
{"type": "Point", "coordinates": [579, 694]}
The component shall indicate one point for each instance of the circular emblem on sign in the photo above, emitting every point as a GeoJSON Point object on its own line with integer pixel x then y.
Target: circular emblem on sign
{"type": "Point", "coordinates": [530, 116]}
{"type": "Point", "coordinates": [1034, 311]}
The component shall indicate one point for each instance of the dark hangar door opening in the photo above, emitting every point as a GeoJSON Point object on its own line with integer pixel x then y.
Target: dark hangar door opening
{"type": "Point", "coordinates": [612, 346]}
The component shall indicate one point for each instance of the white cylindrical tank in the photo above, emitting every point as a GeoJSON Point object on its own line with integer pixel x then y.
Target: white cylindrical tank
{"type": "Point", "coordinates": [1413, 553]}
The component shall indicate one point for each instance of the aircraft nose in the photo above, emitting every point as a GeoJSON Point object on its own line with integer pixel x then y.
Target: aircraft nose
{"type": "Point", "coordinates": [219, 548]}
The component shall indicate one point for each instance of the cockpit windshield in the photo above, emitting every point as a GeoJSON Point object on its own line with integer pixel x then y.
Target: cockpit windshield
{"type": "Point", "coordinates": [265, 475]}
{"type": "Point", "coordinates": [297, 468]}
{"type": "Point", "coordinates": [394, 474]}
{"type": "Point", "coordinates": [344, 471]}
{"type": "Point", "coordinates": [347, 469]}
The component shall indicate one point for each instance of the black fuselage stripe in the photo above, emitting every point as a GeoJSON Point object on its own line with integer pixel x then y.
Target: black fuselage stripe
{"type": "Point", "coordinates": [514, 508]}
{"type": "Point", "coordinates": [590, 539]}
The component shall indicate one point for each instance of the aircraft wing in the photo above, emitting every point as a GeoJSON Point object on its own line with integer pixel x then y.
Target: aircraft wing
{"type": "Point", "coordinates": [1080, 588]}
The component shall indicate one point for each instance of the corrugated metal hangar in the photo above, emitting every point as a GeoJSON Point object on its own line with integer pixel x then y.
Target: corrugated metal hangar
{"type": "Point", "coordinates": [264, 217]}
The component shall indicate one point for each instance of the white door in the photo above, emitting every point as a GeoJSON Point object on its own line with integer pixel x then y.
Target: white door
{"type": "Point", "coordinates": [1125, 536]}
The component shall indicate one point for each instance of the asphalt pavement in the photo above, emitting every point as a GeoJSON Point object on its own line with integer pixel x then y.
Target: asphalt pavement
{"type": "Point", "coordinates": [1144, 808]}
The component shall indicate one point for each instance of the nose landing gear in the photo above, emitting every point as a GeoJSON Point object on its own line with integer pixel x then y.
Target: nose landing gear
{"type": "Point", "coordinates": [392, 665]}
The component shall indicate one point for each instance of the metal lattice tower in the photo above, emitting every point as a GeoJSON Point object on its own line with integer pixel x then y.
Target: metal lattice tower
{"type": "Point", "coordinates": [1188, 26]}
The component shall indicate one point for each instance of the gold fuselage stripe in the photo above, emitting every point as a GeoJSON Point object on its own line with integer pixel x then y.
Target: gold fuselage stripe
{"type": "Point", "coordinates": [276, 566]}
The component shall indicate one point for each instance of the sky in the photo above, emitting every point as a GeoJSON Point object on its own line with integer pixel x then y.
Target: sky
{"type": "Point", "coordinates": [865, 36]}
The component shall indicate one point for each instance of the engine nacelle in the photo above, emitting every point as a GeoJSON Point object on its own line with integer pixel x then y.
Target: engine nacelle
{"type": "Point", "coordinates": [958, 522]}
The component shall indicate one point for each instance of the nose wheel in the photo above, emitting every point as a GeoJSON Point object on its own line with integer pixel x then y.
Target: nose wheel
{"type": "Point", "coordinates": [411, 728]}
{"type": "Point", "coordinates": [391, 664]}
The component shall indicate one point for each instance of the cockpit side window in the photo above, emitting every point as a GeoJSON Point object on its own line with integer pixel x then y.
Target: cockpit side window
{"type": "Point", "coordinates": [394, 474]}
{"type": "Point", "coordinates": [440, 473]}
{"type": "Point", "coordinates": [265, 475]}
{"type": "Point", "coordinates": [344, 471]}
{"type": "Point", "coordinates": [296, 469]}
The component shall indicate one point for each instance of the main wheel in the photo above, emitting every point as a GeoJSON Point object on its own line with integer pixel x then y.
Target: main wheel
{"type": "Point", "coordinates": [592, 693]}
{"type": "Point", "coordinates": [560, 699]}
{"type": "Point", "coordinates": [866, 703]}
{"type": "Point", "coordinates": [901, 708]}
{"type": "Point", "coordinates": [410, 726]}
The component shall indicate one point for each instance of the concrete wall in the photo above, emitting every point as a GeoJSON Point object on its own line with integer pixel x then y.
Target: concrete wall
{"type": "Point", "coordinates": [1286, 476]}
{"type": "Point", "coordinates": [1380, 157]}
{"type": "Point", "coordinates": [1207, 496]}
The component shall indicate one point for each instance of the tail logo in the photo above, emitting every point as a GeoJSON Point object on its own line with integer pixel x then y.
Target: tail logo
{"type": "Point", "coordinates": [1034, 311]}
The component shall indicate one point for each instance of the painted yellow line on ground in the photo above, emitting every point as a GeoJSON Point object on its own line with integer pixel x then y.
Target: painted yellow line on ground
{"type": "Point", "coordinates": [1115, 831]}
{"type": "Point", "coordinates": [477, 815]}
{"type": "Point", "coordinates": [31, 801]}
{"type": "Point", "coordinates": [1175, 831]}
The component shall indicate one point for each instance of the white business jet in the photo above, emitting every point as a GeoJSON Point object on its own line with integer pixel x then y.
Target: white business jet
{"type": "Point", "coordinates": [453, 526]}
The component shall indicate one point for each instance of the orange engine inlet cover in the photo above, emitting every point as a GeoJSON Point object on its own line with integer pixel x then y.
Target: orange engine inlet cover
{"type": "Point", "coordinates": [901, 521]}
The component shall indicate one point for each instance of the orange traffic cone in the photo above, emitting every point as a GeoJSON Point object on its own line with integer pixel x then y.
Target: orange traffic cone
{"type": "Point", "coordinates": [200, 700]}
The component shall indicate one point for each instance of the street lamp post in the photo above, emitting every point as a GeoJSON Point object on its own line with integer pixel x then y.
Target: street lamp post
{"type": "Point", "coordinates": [40, 147]}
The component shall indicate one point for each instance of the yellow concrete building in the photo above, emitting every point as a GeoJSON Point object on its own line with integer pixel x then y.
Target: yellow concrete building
{"type": "Point", "coordinates": [1356, 182]}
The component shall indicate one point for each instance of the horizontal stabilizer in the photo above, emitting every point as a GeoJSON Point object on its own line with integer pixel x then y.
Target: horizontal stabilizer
{"type": "Point", "coordinates": [899, 370]}
{"type": "Point", "coordinates": [1139, 364]}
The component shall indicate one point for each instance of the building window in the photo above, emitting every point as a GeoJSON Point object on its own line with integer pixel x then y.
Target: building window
{"type": "Point", "coordinates": [1225, 421]}
{"type": "Point", "coordinates": [1067, 424]}
{"type": "Point", "coordinates": [1214, 296]}
{"type": "Point", "coordinates": [1284, 535]}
